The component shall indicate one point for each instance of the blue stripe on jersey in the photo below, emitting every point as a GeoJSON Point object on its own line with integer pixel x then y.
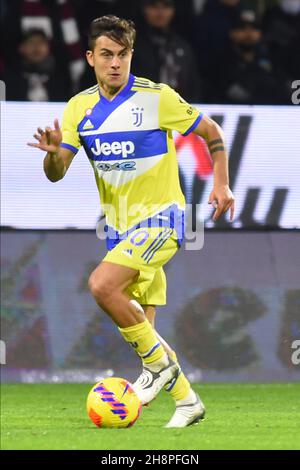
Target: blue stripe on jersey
{"type": "Point", "coordinates": [157, 239]}
{"type": "Point", "coordinates": [194, 125]}
{"type": "Point", "coordinates": [158, 245]}
{"type": "Point", "coordinates": [172, 217]}
{"type": "Point", "coordinates": [70, 147]}
{"type": "Point", "coordinates": [136, 144]}
{"type": "Point", "coordinates": [103, 108]}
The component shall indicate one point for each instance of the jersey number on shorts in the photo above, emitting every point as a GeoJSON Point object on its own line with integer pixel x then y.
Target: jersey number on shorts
{"type": "Point", "coordinates": [139, 238]}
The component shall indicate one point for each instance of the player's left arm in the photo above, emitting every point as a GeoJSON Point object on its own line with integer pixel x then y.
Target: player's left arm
{"type": "Point", "coordinates": [221, 196]}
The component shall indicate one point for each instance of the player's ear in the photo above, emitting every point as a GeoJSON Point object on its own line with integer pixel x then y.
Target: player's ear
{"type": "Point", "coordinates": [90, 57]}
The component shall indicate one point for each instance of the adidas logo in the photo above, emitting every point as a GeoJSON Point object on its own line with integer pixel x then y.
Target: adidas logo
{"type": "Point", "coordinates": [88, 125]}
{"type": "Point", "coordinates": [127, 253]}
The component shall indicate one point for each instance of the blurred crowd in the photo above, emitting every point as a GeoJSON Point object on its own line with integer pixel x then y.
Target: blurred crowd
{"type": "Point", "coordinates": [210, 51]}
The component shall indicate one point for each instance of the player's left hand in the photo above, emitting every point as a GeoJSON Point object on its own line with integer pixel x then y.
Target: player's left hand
{"type": "Point", "coordinates": [222, 199]}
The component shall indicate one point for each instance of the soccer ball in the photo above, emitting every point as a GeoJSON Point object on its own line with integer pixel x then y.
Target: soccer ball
{"type": "Point", "coordinates": [112, 403]}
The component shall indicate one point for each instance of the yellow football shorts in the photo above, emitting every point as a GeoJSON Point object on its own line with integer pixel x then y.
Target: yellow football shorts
{"type": "Point", "coordinates": [146, 250]}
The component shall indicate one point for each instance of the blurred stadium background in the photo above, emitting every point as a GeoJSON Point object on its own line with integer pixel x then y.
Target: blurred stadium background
{"type": "Point", "coordinates": [233, 310]}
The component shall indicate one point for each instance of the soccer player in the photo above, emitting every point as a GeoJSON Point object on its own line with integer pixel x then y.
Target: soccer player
{"type": "Point", "coordinates": [125, 125]}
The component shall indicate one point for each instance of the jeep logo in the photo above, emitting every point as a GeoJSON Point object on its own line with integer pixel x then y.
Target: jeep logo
{"type": "Point", "coordinates": [124, 148]}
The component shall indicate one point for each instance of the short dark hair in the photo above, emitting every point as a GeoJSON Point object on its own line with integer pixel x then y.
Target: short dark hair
{"type": "Point", "coordinates": [117, 29]}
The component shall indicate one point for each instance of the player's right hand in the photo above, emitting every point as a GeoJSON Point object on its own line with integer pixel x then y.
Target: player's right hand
{"type": "Point", "coordinates": [49, 139]}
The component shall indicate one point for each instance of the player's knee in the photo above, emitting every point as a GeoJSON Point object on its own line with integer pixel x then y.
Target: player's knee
{"type": "Point", "coordinates": [100, 288]}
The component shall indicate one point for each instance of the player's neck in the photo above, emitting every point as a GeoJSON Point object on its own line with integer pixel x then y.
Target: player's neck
{"type": "Point", "coordinates": [110, 92]}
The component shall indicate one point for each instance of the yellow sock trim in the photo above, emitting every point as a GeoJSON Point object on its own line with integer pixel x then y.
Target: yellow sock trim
{"type": "Point", "coordinates": [182, 386]}
{"type": "Point", "coordinates": [143, 339]}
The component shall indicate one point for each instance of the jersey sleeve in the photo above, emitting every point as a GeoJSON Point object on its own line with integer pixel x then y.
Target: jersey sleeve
{"type": "Point", "coordinates": [175, 113]}
{"type": "Point", "coordinates": [70, 136]}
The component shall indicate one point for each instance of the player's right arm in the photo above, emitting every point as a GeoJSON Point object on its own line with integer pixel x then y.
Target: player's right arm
{"type": "Point", "coordinates": [61, 144]}
{"type": "Point", "coordinates": [57, 159]}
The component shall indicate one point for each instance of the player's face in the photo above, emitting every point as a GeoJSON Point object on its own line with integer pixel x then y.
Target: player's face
{"type": "Point", "coordinates": [111, 62]}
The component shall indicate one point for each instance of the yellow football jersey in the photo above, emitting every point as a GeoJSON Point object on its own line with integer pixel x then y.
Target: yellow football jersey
{"type": "Point", "coordinates": [129, 143]}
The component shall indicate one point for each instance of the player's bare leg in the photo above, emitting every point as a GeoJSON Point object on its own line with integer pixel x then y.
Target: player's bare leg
{"type": "Point", "coordinates": [189, 407]}
{"type": "Point", "coordinates": [107, 284]}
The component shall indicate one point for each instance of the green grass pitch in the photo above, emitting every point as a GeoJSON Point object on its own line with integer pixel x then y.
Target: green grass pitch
{"type": "Point", "coordinates": [239, 416]}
